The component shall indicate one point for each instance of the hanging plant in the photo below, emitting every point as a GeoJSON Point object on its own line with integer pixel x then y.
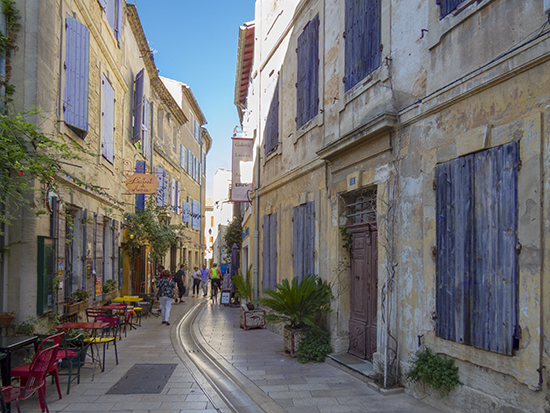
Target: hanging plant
{"type": "Point", "coordinates": [148, 226]}
{"type": "Point", "coordinates": [347, 238]}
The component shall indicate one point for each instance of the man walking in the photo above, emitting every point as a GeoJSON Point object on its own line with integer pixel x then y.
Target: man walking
{"type": "Point", "coordinates": [179, 278]}
{"type": "Point", "coordinates": [204, 280]}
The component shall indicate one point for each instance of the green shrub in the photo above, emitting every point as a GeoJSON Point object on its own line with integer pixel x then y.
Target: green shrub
{"type": "Point", "coordinates": [299, 303]}
{"type": "Point", "coordinates": [438, 372]}
{"type": "Point", "coordinates": [80, 295]}
{"type": "Point", "coordinates": [244, 287]}
{"type": "Point", "coordinates": [314, 346]}
{"type": "Point", "coordinates": [109, 286]}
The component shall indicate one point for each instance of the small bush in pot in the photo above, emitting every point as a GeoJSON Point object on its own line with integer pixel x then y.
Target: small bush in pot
{"type": "Point", "coordinates": [244, 288]}
{"type": "Point", "coordinates": [109, 286]}
{"type": "Point", "coordinates": [298, 303]}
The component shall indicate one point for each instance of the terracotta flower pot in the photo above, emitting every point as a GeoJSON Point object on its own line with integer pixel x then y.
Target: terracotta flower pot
{"type": "Point", "coordinates": [6, 319]}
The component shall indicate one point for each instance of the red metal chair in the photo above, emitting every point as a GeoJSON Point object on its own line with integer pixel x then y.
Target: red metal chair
{"type": "Point", "coordinates": [23, 371]}
{"type": "Point", "coordinates": [39, 367]}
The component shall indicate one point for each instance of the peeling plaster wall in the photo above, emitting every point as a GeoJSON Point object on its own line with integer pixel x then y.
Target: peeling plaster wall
{"type": "Point", "coordinates": [458, 85]}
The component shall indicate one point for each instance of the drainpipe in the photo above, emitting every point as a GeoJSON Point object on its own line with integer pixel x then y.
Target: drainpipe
{"type": "Point", "coordinates": [201, 230]}
{"type": "Point", "coordinates": [256, 228]}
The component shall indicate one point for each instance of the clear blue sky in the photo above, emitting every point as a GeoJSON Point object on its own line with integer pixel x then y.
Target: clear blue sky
{"type": "Point", "coordinates": [196, 44]}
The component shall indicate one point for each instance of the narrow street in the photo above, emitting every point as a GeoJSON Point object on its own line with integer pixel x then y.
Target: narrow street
{"type": "Point", "coordinates": [218, 368]}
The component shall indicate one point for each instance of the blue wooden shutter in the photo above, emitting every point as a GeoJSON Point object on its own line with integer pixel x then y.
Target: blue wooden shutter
{"type": "Point", "coordinates": [178, 197]}
{"type": "Point", "coordinates": [186, 212]}
{"type": "Point", "coordinates": [110, 10]}
{"type": "Point", "coordinates": [307, 88]}
{"type": "Point", "coordinates": [362, 39]}
{"type": "Point", "coordinates": [108, 115]}
{"type": "Point", "coordinates": [146, 129]}
{"type": "Point", "coordinates": [266, 269]}
{"type": "Point", "coordinates": [447, 6]}
{"type": "Point", "coordinates": [273, 251]}
{"type": "Point", "coordinates": [75, 105]}
{"type": "Point", "coordinates": [140, 198]}
{"type": "Point", "coordinates": [199, 169]}
{"type": "Point", "coordinates": [189, 165]}
{"type": "Point", "coordinates": [196, 130]}
{"type": "Point", "coordinates": [182, 157]}
{"type": "Point", "coordinates": [138, 105]}
{"type": "Point", "coordinates": [455, 266]}
{"type": "Point", "coordinates": [119, 12]}
{"type": "Point", "coordinates": [304, 240]}
{"type": "Point", "coordinates": [103, 3]}
{"type": "Point", "coordinates": [272, 123]}
{"type": "Point", "coordinates": [477, 274]}
{"type": "Point", "coordinates": [161, 188]}
{"type": "Point", "coordinates": [495, 290]}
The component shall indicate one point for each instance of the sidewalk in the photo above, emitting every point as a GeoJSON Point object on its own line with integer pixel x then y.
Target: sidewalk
{"type": "Point", "coordinates": [256, 359]}
{"type": "Point", "coordinates": [149, 344]}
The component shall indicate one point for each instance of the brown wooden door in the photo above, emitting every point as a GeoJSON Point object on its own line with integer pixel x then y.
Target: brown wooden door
{"type": "Point", "coordinates": [363, 291]}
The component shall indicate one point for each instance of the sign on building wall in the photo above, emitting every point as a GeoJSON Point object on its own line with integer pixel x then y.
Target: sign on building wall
{"type": "Point", "coordinates": [142, 184]}
{"type": "Point", "coordinates": [242, 166]}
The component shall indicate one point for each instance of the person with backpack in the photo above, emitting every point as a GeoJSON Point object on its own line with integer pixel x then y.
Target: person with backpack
{"type": "Point", "coordinates": [215, 277]}
{"type": "Point", "coordinates": [179, 279]}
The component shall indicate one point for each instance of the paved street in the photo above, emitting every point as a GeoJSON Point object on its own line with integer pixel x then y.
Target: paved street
{"type": "Point", "coordinates": [254, 359]}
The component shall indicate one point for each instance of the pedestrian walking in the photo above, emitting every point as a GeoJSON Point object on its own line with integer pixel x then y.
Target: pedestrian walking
{"type": "Point", "coordinates": [214, 276]}
{"type": "Point", "coordinates": [166, 292]}
{"type": "Point", "coordinates": [196, 275]}
{"type": "Point", "coordinates": [179, 278]}
{"type": "Point", "coordinates": [204, 280]}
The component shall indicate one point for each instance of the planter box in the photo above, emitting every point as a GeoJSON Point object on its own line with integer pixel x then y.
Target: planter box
{"type": "Point", "coordinates": [252, 318]}
{"type": "Point", "coordinates": [110, 296]}
{"type": "Point", "coordinates": [292, 337]}
{"type": "Point", "coordinates": [75, 307]}
{"type": "Point", "coordinates": [6, 319]}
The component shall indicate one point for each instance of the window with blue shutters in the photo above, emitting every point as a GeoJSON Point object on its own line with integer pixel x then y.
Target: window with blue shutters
{"type": "Point", "coordinates": [114, 10]}
{"type": "Point", "coordinates": [140, 198]}
{"type": "Point", "coordinates": [307, 86]}
{"type": "Point", "coordinates": [108, 117]}
{"type": "Point", "coordinates": [182, 157]}
{"type": "Point", "coordinates": [162, 190]}
{"type": "Point", "coordinates": [304, 240]}
{"type": "Point", "coordinates": [146, 143]}
{"type": "Point", "coordinates": [477, 265]}
{"type": "Point", "coordinates": [447, 6]}
{"type": "Point", "coordinates": [363, 40]}
{"type": "Point", "coordinates": [138, 105]}
{"type": "Point", "coordinates": [272, 123]}
{"type": "Point", "coordinates": [269, 253]}
{"type": "Point", "coordinates": [75, 100]}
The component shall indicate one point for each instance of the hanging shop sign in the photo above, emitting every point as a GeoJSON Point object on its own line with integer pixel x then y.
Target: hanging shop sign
{"type": "Point", "coordinates": [142, 184]}
{"type": "Point", "coordinates": [242, 166]}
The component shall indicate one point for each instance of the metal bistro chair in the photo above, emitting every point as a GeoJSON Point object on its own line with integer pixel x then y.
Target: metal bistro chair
{"type": "Point", "coordinates": [23, 371]}
{"type": "Point", "coordinates": [36, 381]}
{"type": "Point", "coordinates": [105, 339]}
{"type": "Point", "coordinates": [3, 408]}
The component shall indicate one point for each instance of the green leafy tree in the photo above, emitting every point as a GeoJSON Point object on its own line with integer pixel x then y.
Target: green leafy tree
{"type": "Point", "coordinates": [30, 159]}
{"type": "Point", "coordinates": [145, 227]}
{"type": "Point", "coordinates": [233, 235]}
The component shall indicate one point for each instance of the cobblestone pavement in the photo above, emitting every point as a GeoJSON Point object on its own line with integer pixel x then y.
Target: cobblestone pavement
{"type": "Point", "coordinates": [254, 358]}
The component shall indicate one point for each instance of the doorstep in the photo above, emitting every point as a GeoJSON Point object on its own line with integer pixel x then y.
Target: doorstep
{"type": "Point", "coordinates": [361, 369]}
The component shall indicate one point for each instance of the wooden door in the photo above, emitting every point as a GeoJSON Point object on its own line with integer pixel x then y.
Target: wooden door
{"type": "Point", "coordinates": [363, 291]}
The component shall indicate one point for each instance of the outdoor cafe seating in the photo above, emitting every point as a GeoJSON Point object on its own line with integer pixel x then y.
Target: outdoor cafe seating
{"type": "Point", "coordinates": [38, 370]}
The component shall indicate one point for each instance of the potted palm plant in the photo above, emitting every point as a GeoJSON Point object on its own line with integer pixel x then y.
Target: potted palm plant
{"type": "Point", "coordinates": [251, 316]}
{"type": "Point", "coordinates": [298, 304]}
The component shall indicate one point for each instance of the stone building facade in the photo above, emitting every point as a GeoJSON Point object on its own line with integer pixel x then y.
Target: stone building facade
{"type": "Point", "coordinates": [87, 65]}
{"type": "Point", "coordinates": [419, 130]}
